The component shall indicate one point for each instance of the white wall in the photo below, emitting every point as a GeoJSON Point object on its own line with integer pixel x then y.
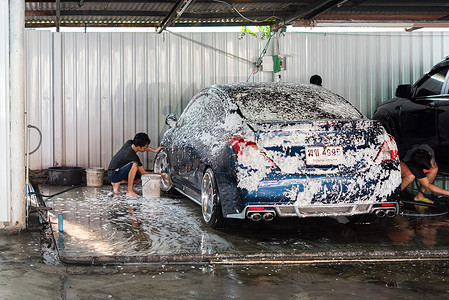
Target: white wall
{"type": "Point", "coordinates": [363, 68]}
{"type": "Point", "coordinates": [4, 113]}
{"type": "Point", "coordinates": [89, 92]}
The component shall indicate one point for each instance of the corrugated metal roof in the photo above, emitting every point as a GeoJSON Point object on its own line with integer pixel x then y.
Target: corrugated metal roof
{"type": "Point", "coordinates": [226, 12]}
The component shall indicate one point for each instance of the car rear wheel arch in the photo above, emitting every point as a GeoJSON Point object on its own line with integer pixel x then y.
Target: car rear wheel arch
{"type": "Point", "coordinates": [389, 125]}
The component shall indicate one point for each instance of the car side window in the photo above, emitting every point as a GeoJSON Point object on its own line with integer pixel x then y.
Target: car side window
{"type": "Point", "coordinates": [213, 110]}
{"type": "Point", "coordinates": [188, 115]}
{"type": "Point", "coordinates": [432, 83]}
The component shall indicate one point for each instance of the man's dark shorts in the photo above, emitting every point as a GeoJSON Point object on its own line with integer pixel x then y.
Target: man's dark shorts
{"type": "Point", "coordinates": [121, 174]}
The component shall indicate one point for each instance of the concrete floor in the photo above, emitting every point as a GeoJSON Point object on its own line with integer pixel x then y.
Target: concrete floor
{"type": "Point", "coordinates": [24, 276]}
{"type": "Point", "coordinates": [98, 228]}
{"type": "Point", "coordinates": [121, 248]}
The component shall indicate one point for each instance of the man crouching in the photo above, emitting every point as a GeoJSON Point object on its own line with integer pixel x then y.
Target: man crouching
{"type": "Point", "coordinates": [125, 164]}
{"type": "Point", "coordinates": [419, 163]}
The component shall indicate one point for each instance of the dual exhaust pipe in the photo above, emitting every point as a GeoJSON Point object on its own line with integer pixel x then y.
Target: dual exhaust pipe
{"type": "Point", "coordinates": [380, 213]}
{"type": "Point", "coordinates": [256, 216]}
{"type": "Point", "coordinates": [269, 216]}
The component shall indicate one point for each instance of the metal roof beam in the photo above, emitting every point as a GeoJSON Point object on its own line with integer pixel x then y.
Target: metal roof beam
{"type": "Point", "coordinates": [377, 16]}
{"type": "Point", "coordinates": [100, 1]}
{"type": "Point", "coordinates": [175, 13]}
{"type": "Point", "coordinates": [133, 13]}
{"type": "Point", "coordinates": [161, 1]}
{"type": "Point", "coordinates": [58, 15]}
{"type": "Point", "coordinates": [123, 13]}
{"type": "Point", "coordinates": [371, 23]}
{"type": "Point", "coordinates": [399, 9]}
{"type": "Point", "coordinates": [136, 24]}
{"type": "Point", "coordinates": [308, 12]}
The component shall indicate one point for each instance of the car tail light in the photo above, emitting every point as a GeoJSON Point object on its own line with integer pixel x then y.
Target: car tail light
{"type": "Point", "coordinates": [388, 151]}
{"type": "Point", "coordinates": [252, 208]}
{"type": "Point", "coordinates": [249, 154]}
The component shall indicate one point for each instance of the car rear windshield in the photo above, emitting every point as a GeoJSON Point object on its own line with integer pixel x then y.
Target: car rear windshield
{"type": "Point", "coordinates": [290, 103]}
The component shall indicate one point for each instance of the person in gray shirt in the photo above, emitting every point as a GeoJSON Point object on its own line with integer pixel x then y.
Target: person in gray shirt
{"type": "Point", "coordinates": [126, 167]}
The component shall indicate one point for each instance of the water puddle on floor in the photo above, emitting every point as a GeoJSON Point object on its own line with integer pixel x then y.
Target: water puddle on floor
{"type": "Point", "coordinates": [96, 224]}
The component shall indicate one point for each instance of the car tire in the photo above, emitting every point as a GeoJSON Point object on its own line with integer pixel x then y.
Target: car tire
{"type": "Point", "coordinates": [161, 165]}
{"type": "Point", "coordinates": [362, 219]}
{"type": "Point", "coordinates": [210, 201]}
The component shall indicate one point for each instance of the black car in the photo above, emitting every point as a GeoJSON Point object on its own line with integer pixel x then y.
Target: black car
{"type": "Point", "coordinates": [420, 114]}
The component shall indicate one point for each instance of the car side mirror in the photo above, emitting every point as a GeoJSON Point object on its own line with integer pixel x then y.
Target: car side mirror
{"type": "Point", "coordinates": [171, 120]}
{"type": "Point", "coordinates": [404, 91]}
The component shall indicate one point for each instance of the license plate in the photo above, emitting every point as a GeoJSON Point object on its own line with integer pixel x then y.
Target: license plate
{"type": "Point", "coordinates": [324, 155]}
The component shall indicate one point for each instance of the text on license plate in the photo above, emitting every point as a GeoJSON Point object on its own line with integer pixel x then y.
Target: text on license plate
{"type": "Point", "coordinates": [324, 155]}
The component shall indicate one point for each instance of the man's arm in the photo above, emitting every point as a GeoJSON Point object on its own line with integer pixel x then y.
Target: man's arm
{"type": "Point", "coordinates": [154, 150]}
{"type": "Point", "coordinates": [164, 175]}
{"type": "Point", "coordinates": [143, 171]}
{"type": "Point", "coordinates": [425, 183]}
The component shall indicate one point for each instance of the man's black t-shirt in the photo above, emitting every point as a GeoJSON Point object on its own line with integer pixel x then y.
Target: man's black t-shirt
{"type": "Point", "coordinates": [416, 170]}
{"type": "Point", "coordinates": [124, 156]}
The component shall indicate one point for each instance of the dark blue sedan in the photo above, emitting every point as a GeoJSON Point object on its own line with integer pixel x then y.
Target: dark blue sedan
{"type": "Point", "coordinates": [267, 150]}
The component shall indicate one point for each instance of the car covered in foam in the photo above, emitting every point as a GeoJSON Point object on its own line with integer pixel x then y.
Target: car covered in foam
{"type": "Point", "coordinates": [266, 150]}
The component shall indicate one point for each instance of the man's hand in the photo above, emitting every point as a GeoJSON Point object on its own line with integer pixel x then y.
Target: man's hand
{"type": "Point", "coordinates": [159, 148]}
{"type": "Point", "coordinates": [154, 150]}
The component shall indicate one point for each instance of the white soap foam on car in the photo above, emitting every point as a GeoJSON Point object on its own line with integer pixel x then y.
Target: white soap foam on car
{"type": "Point", "coordinates": [308, 116]}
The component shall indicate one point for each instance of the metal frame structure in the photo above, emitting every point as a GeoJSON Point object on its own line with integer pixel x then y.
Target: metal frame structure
{"type": "Point", "coordinates": [275, 13]}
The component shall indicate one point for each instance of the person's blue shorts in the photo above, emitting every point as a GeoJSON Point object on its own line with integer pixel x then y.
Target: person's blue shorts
{"type": "Point", "coordinates": [121, 174]}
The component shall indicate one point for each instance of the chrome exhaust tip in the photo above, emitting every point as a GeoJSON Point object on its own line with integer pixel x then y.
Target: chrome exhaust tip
{"type": "Point", "coordinates": [255, 217]}
{"type": "Point", "coordinates": [391, 213]}
{"type": "Point", "coordinates": [268, 216]}
{"type": "Point", "coordinates": [380, 213]}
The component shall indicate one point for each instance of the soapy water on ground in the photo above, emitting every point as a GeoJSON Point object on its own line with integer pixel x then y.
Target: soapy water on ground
{"type": "Point", "coordinates": [95, 224]}
{"type": "Point", "coordinates": [98, 225]}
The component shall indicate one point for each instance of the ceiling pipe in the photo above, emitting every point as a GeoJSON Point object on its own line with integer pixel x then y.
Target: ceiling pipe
{"type": "Point", "coordinates": [371, 23]}
{"type": "Point", "coordinates": [58, 15]}
{"type": "Point", "coordinates": [308, 12]}
{"type": "Point", "coordinates": [175, 13]}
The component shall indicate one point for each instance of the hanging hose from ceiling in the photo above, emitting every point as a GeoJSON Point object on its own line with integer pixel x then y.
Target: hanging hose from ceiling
{"type": "Point", "coordinates": [259, 60]}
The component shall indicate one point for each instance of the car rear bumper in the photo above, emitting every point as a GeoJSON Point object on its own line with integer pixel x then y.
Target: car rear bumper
{"type": "Point", "coordinates": [322, 195]}
{"type": "Point", "coordinates": [389, 209]}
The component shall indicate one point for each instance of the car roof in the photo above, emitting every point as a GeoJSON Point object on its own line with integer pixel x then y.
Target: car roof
{"type": "Point", "coordinates": [269, 86]}
{"type": "Point", "coordinates": [442, 63]}
{"type": "Point", "coordinates": [271, 100]}
{"type": "Point", "coordinates": [233, 89]}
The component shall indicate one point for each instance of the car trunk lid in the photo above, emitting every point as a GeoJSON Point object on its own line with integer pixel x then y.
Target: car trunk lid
{"type": "Point", "coordinates": [320, 147]}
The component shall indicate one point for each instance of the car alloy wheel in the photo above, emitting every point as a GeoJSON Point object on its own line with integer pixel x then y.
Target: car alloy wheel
{"type": "Point", "coordinates": [161, 166]}
{"type": "Point", "coordinates": [210, 204]}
